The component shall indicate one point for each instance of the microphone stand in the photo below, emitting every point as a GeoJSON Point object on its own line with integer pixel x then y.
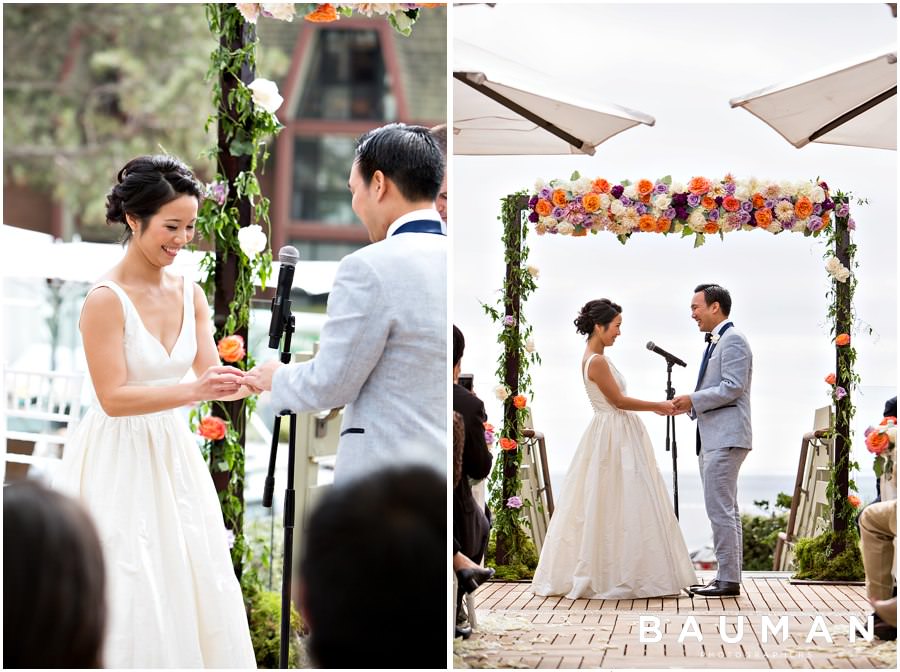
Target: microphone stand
{"type": "Point", "coordinates": [288, 498]}
{"type": "Point", "coordinates": [670, 423]}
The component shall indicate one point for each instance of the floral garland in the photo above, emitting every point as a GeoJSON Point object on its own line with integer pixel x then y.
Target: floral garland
{"type": "Point", "coordinates": [881, 441]}
{"type": "Point", "coordinates": [701, 207]}
{"type": "Point", "coordinates": [248, 125]}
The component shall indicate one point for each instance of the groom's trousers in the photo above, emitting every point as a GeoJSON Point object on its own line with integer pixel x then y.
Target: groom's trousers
{"type": "Point", "coordinates": [718, 472]}
{"type": "Point", "coordinates": [877, 534]}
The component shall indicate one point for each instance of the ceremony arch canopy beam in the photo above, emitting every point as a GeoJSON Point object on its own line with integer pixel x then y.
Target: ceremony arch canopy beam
{"type": "Point", "coordinates": [699, 208]}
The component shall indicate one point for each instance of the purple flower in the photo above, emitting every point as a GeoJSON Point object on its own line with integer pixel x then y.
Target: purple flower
{"type": "Point", "coordinates": [788, 226]}
{"type": "Point", "coordinates": [217, 191]}
{"type": "Point", "coordinates": [730, 188]}
{"type": "Point", "coordinates": [827, 204]}
{"type": "Point", "coordinates": [669, 213]}
{"type": "Point", "coordinates": [851, 224]}
{"type": "Point", "coordinates": [839, 392]}
{"type": "Point", "coordinates": [545, 193]}
{"type": "Point", "coordinates": [823, 185]}
{"type": "Point", "coordinates": [661, 188]}
{"type": "Point", "coordinates": [817, 209]}
{"type": "Point", "coordinates": [514, 502]}
{"type": "Point", "coordinates": [842, 210]}
{"type": "Point", "coordinates": [770, 203]}
{"type": "Point", "coordinates": [626, 201]}
{"type": "Point", "coordinates": [868, 431]}
{"type": "Point", "coordinates": [713, 215]}
{"type": "Point", "coordinates": [558, 213]}
{"type": "Point", "coordinates": [745, 217]}
{"type": "Point", "coordinates": [509, 321]}
{"type": "Point", "coordinates": [746, 206]}
{"type": "Point", "coordinates": [533, 201]}
{"type": "Point", "coordinates": [693, 200]}
{"type": "Point", "coordinates": [617, 191]}
{"type": "Point", "coordinates": [533, 217]}
{"type": "Point", "coordinates": [814, 223]}
{"type": "Point", "coordinates": [641, 208]}
{"type": "Point", "coordinates": [229, 537]}
{"type": "Point", "coordinates": [681, 212]}
{"type": "Point", "coordinates": [679, 199]}
{"type": "Point", "coordinates": [719, 200]}
{"type": "Point", "coordinates": [488, 437]}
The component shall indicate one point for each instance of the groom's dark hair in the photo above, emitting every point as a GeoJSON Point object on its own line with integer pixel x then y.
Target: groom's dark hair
{"type": "Point", "coordinates": [408, 155]}
{"type": "Point", "coordinates": [713, 293]}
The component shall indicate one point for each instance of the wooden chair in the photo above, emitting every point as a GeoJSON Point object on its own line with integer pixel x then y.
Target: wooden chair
{"type": "Point", "coordinates": [536, 487]}
{"type": "Point", "coordinates": [42, 408]}
{"type": "Point", "coordinates": [809, 503]}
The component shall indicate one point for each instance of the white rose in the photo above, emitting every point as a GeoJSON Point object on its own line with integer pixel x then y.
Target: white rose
{"type": "Point", "coordinates": [631, 191]}
{"type": "Point", "coordinates": [565, 228]}
{"type": "Point", "coordinates": [786, 187]}
{"type": "Point", "coordinates": [249, 10]}
{"type": "Point", "coordinates": [604, 202]}
{"type": "Point", "coordinates": [529, 345]}
{"type": "Point", "coordinates": [805, 189]}
{"type": "Point", "coordinates": [818, 194]}
{"type": "Point", "coordinates": [534, 271]}
{"type": "Point", "coordinates": [890, 431]}
{"type": "Point", "coordinates": [677, 188]}
{"type": "Point", "coordinates": [539, 184]}
{"type": "Point", "coordinates": [662, 201]}
{"type": "Point", "coordinates": [501, 392]}
{"type": "Point", "coordinates": [617, 208]}
{"type": "Point", "coordinates": [582, 185]}
{"type": "Point", "coordinates": [252, 240]}
{"type": "Point", "coordinates": [697, 220]}
{"type": "Point", "coordinates": [283, 11]}
{"type": "Point", "coordinates": [550, 222]}
{"type": "Point", "coordinates": [742, 192]}
{"type": "Point", "coordinates": [265, 94]}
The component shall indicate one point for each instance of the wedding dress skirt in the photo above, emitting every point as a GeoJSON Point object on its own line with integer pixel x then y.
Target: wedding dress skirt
{"type": "Point", "coordinates": [172, 597]}
{"type": "Point", "coordinates": [613, 534]}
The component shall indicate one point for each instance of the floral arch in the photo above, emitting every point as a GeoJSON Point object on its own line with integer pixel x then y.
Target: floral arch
{"type": "Point", "coordinates": [699, 208]}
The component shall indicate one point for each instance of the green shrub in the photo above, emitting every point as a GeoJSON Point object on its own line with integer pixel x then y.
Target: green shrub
{"type": "Point", "coordinates": [761, 533]}
{"type": "Point", "coordinates": [811, 555]}
{"type": "Point", "coordinates": [264, 615]}
{"type": "Point", "coordinates": [523, 549]}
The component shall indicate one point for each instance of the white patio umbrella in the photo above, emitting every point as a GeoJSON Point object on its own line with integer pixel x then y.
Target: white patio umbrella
{"type": "Point", "coordinates": [855, 104]}
{"type": "Point", "coordinates": [503, 108]}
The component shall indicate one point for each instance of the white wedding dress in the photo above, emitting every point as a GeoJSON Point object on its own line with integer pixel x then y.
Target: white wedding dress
{"type": "Point", "coordinates": [613, 534]}
{"type": "Point", "coordinates": [172, 597]}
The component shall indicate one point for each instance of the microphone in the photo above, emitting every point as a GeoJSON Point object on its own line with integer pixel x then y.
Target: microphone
{"type": "Point", "coordinates": [659, 351]}
{"type": "Point", "coordinates": [281, 304]}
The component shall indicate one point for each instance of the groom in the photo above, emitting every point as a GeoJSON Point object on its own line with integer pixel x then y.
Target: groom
{"type": "Point", "coordinates": [383, 349]}
{"type": "Point", "coordinates": [721, 406]}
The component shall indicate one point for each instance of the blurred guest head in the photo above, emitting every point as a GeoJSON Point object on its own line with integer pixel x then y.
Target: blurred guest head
{"type": "Point", "coordinates": [54, 610]}
{"type": "Point", "coordinates": [439, 133]}
{"type": "Point", "coordinates": [373, 577]}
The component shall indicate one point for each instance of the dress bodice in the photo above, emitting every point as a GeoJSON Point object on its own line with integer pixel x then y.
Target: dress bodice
{"type": "Point", "coordinates": [599, 402]}
{"type": "Point", "coordinates": [146, 360]}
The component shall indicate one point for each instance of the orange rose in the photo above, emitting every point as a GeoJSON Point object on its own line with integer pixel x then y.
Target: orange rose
{"type": "Point", "coordinates": [711, 227]}
{"type": "Point", "coordinates": [644, 187]}
{"type": "Point", "coordinates": [323, 14]}
{"type": "Point", "coordinates": [519, 401]}
{"type": "Point", "coordinates": [831, 379]}
{"type": "Point", "coordinates": [663, 224]}
{"type": "Point", "coordinates": [647, 223]}
{"type": "Point", "coordinates": [854, 501]}
{"type": "Point", "coordinates": [826, 218]}
{"type": "Point", "coordinates": [708, 202]}
{"type": "Point", "coordinates": [600, 185]}
{"type": "Point", "coordinates": [508, 444]}
{"type": "Point", "coordinates": [698, 185]}
{"type": "Point", "coordinates": [231, 348]}
{"type": "Point", "coordinates": [731, 204]}
{"type": "Point", "coordinates": [543, 207]}
{"type": "Point", "coordinates": [888, 420]}
{"type": "Point", "coordinates": [759, 200]}
{"type": "Point", "coordinates": [591, 202]}
{"type": "Point", "coordinates": [559, 198]}
{"type": "Point", "coordinates": [842, 339]}
{"type": "Point", "coordinates": [877, 443]}
{"type": "Point", "coordinates": [212, 428]}
{"type": "Point", "coordinates": [803, 207]}
{"type": "Point", "coordinates": [645, 199]}
{"type": "Point", "coordinates": [763, 218]}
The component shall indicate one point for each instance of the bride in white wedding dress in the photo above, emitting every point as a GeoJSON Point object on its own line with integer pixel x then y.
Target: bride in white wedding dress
{"type": "Point", "coordinates": [173, 598]}
{"type": "Point", "coordinates": [613, 534]}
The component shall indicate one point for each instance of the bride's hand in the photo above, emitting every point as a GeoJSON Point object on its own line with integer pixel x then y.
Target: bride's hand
{"type": "Point", "coordinates": [218, 381]}
{"type": "Point", "coordinates": [666, 408]}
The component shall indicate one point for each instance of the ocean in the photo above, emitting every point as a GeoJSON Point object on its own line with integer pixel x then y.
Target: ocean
{"type": "Point", "coordinates": [751, 488]}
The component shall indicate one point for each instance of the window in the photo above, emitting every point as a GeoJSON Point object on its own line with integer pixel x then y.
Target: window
{"type": "Point", "coordinates": [321, 170]}
{"type": "Point", "coordinates": [347, 78]}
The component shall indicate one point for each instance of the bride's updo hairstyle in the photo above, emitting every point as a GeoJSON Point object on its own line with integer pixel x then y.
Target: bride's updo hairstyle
{"type": "Point", "coordinates": [145, 184]}
{"type": "Point", "coordinates": [598, 312]}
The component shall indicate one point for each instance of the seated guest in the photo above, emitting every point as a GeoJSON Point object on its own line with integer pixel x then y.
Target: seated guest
{"type": "Point", "coordinates": [373, 577]}
{"type": "Point", "coordinates": [877, 533]}
{"type": "Point", "coordinates": [54, 610]}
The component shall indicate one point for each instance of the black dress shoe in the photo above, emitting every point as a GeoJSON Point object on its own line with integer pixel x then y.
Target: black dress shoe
{"type": "Point", "coordinates": [464, 631]}
{"type": "Point", "coordinates": [470, 579]}
{"type": "Point", "coordinates": [883, 630]}
{"type": "Point", "coordinates": [717, 588]}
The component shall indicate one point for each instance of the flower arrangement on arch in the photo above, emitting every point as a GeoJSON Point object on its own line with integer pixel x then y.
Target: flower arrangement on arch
{"type": "Point", "coordinates": [699, 207]}
{"type": "Point", "coordinates": [881, 441]}
{"type": "Point", "coordinates": [401, 15]}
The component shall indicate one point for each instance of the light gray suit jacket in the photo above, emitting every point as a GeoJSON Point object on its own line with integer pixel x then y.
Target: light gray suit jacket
{"type": "Point", "coordinates": [383, 355]}
{"type": "Point", "coordinates": [722, 401]}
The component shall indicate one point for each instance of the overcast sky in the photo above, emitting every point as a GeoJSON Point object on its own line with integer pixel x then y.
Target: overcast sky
{"type": "Point", "coordinates": [681, 64]}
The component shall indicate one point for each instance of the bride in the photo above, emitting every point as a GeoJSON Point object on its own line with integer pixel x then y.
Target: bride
{"type": "Point", "coordinates": [613, 534]}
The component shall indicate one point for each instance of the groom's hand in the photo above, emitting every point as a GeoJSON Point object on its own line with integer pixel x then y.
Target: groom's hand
{"type": "Point", "coordinates": [682, 403]}
{"type": "Point", "coordinates": [259, 378]}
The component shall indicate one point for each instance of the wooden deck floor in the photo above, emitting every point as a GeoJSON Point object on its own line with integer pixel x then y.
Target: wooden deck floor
{"type": "Point", "coordinates": [519, 629]}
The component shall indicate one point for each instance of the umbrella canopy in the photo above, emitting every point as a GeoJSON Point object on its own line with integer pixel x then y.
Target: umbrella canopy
{"type": "Point", "coordinates": [852, 105]}
{"type": "Point", "coordinates": [502, 108]}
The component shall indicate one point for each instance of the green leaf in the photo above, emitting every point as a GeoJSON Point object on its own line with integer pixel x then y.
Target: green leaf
{"type": "Point", "coordinates": [241, 147]}
{"type": "Point", "coordinates": [575, 176]}
{"type": "Point", "coordinates": [699, 240]}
